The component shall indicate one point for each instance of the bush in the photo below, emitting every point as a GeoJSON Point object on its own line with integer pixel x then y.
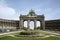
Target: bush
{"type": "Point", "coordinates": [25, 28]}
{"type": "Point", "coordinates": [12, 29]}
{"type": "Point", "coordinates": [29, 33]}
{"type": "Point", "coordinates": [38, 27]}
{"type": "Point", "coordinates": [0, 30]}
{"type": "Point", "coordinates": [24, 33]}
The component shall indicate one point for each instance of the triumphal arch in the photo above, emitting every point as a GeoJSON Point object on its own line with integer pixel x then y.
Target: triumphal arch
{"type": "Point", "coordinates": [32, 17]}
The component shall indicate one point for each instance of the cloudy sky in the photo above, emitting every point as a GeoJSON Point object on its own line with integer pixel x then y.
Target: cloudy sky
{"type": "Point", "coordinates": [11, 9]}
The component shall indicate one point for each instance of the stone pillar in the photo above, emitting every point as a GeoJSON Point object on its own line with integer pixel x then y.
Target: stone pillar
{"type": "Point", "coordinates": [11, 24]}
{"type": "Point", "coordinates": [28, 24]}
{"type": "Point", "coordinates": [34, 24]}
{"type": "Point", "coordinates": [43, 24]}
{"type": "Point", "coordinates": [2, 26]}
{"type": "Point", "coordinates": [21, 24]}
{"type": "Point", "coordinates": [40, 24]}
{"type": "Point", "coordinates": [5, 25]}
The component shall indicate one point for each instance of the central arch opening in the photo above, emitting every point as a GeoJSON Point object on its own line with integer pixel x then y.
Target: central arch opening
{"type": "Point", "coordinates": [32, 25]}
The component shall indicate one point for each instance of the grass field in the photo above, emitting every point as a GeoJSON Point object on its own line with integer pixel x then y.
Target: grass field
{"type": "Point", "coordinates": [27, 38]}
{"type": "Point", "coordinates": [8, 37]}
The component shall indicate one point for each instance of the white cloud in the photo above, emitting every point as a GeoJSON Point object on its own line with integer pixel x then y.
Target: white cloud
{"type": "Point", "coordinates": [6, 12]}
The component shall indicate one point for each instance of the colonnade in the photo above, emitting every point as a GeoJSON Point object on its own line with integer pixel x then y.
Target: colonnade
{"type": "Point", "coordinates": [7, 26]}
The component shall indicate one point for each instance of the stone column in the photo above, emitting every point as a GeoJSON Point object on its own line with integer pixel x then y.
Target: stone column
{"type": "Point", "coordinates": [28, 24]}
{"type": "Point", "coordinates": [2, 26]}
{"type": "Point", "coordinates": [8, 25]}
{"type": "Point", "coordinates": [43, 24]}
{"type": "Point", "coordinates": [34, 24]}
{"type": "Point", "coordinates": [11, 24]}
{"type": "Point", "coordinates": [21, 24]}
{"type": "Point", "coordinates": [40, 24]}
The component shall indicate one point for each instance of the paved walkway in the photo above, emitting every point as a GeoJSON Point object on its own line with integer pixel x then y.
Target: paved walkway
{"type": "Point", "coordinates": [54, 33]}
{"type": "Point", "coordinates": [9, 32]}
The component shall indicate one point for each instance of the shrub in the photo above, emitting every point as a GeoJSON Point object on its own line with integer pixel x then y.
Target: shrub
{"type": "Point", "coordinates": [38, 27]}
{"type": "Point", "coordinates": [0, 30]}
{"type": "Point", "coordinates": [25, 33]}
{"type": "Point", "coordinates": [25, 28]}
{"type": "Point", "coordinates": [29, 33]}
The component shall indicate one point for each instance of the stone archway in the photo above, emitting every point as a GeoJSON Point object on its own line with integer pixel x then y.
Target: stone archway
{"type": "Point", "coordinates": [32, 17]}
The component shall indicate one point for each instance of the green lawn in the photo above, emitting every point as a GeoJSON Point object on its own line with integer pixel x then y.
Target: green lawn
{"type": "Point", "coordinates": [27, 38]}
{"type": "Point", "coordinates": [6, 37]}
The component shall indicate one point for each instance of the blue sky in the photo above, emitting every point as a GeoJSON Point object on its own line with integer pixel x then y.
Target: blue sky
{"type": "Point", "coordinates": [11, 9]}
